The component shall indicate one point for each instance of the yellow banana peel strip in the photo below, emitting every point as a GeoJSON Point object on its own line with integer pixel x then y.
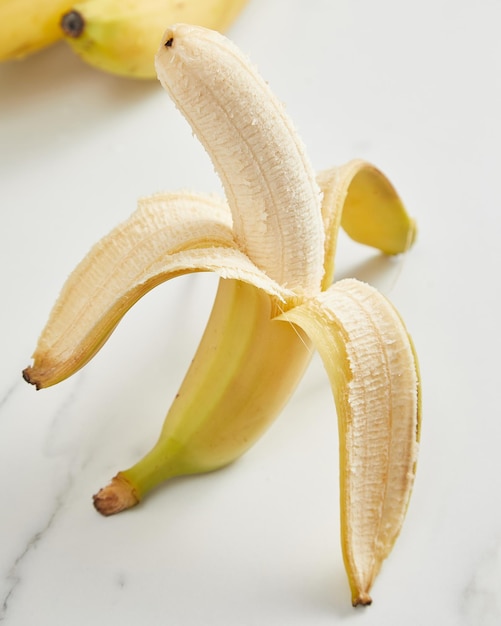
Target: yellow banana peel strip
{"type": "Point", "coordinates": [374, 375]}
{"type": "Point", "coordinates": [361, 199]}
{"type": "Point", "coordinates": [168, 235]}
{"type": "Point", "coordinates": [272, 242]}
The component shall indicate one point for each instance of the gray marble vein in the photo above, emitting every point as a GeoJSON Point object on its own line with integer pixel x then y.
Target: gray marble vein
{"type": "Point", "coordinates": [50, 449]}
{"type": "Point", "coordinates": [14, 575]}
{"type": "Point", "coordinates": [8, 394]}
{"type": "Point", "coordinates": [481, 599]}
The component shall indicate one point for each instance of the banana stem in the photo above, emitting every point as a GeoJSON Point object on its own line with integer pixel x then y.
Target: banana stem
{"type": "Point", "coordinates": [118, 496]}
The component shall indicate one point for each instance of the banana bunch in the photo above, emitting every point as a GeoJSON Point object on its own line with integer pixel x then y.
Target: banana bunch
{"type": "Point", "coordinates": [117, 36]}
{"type": "Point", "coordinates": [272, 242]}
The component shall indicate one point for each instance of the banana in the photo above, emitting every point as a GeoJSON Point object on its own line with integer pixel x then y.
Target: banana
{"type": "Point", "coordinates": [218, 413]}
{"type": "Point", "coordinates": [26, 26]}
{"type": "Point", "coordinates": [122, 37]}
{"type": "Point", "coordinates": [273, 243]}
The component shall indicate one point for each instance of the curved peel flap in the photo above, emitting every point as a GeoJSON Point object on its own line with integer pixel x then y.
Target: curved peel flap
{"type": "Point", "coordinates": [168, 235]}
{"type": "Point", "coordinates": [373, 371]}
{"type": "Point", "coordinates": [359, 197]}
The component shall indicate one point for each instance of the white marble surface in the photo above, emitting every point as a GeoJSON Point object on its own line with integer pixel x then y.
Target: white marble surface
{"type": "Point", "coordinates": [413, 87]}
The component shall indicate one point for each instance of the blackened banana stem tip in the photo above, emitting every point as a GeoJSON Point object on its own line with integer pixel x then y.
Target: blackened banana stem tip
{"type": "Point", "coordinates": [73, 24]}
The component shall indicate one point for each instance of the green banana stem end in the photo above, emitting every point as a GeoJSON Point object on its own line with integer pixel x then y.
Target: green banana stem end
{"type": "Point", "coordinates": [118, 496]}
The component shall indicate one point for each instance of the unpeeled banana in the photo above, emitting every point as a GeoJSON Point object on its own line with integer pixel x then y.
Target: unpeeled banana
{"type": "Point", "coordinates": [122, 37]}
{"type": "Point", "coordinates": [273, 244]}
{"type": "Point", "coordinates": [117, 36]}
{"type": "Point", "coordinates": [27, 26]}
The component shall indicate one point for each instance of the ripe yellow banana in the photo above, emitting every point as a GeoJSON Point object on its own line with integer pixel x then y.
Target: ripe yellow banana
{"type": "Point", "coordinates": [122, 37]}
{"type": "Point", "coordinates": [29, 25]}
{"type": "Point", "coordinates": [236, 386]}
{"type": "Point", "coordinates": [273, 245]}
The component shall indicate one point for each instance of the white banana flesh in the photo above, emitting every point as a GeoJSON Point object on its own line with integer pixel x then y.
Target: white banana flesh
{"type": "Point", "coordinates": [273, 245]}
{"type": "Point", "coordinates": [260, 184]}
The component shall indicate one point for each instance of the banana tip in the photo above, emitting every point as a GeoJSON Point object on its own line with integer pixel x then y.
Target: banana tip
{"type": "Point", "coordinates": [362, 599]}
{"type": "Point", "coordinates": [180, 31]}
{"type": "Point", "coordinates": [72, 24]}
{"type": "Point", "coordinates": [29, 379]}
{"type": "Point", "coordinates": [118, 496]}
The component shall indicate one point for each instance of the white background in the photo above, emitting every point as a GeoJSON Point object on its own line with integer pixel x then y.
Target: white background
{"type": "Point", "coordinates": [416, 89]}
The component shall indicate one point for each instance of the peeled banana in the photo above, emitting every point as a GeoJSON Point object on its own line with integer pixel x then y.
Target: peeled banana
{"type": "Point", "coordinates": [272, 243]}
{"type": "Point", "coordinates": [122, 37]}
{"type": "Point", "coordinates": [27, 26]}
